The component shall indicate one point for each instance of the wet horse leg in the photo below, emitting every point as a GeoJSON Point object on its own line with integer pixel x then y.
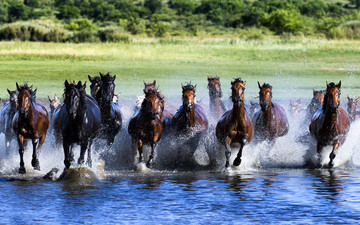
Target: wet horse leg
{"type": "Point", "coordinates": [84, 146]}
{"type": "Point", "coordinates": [35, 161]}
{"type": "Point", "coordinates": [140, 149]}
{"type": "Point", "coordinates": [149, 163]}
{"type": "Point", "coordinates": [68, 154]}
{"type": "Point", "coordinates": [237, 160]}
{"type": "Point", "coordinates": [227, 151]}
{"type": "Point", "coordinates": [89, 160]}
{"type": "Point", "coordinates": [319, 148]}
{"type": "Point", "coordinates": [20, 139]}
{"type": "Point", "coordinates": [333, 153]}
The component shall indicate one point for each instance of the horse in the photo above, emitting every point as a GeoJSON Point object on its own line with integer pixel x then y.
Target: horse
{"type": "Point", "coordinates": [77, 122]}
{"type": "Point", "coordinates": [55, 103]}
{"type": "Point", "coordinates": [165, 115]}
{"type": "Point", "coordinates": [315, 104]}
{"type": "Point", "coordinates": [31, 121]}
{"type": "Point", "coordinates": [217, 107]}
{"type": "Point", "coordinates": [146, 127]}
{"type": "Point", "coordinates": [190, 116]}
{"type": "Point", "coordinates": [95, 87]}
{"type": "Point", "coordinates": [351, 109]}
{"type": "Point", "coordinates": [235, 125]}
{"type": "Point", "coordinates": [111, 119]}
{"type": "Point", "coordinates": [330, 124]}
{"type": "Point", "coordinates": [296, 107]}
{"type": "Point", "coordinates": [270, 120]}
{"type": "Point", "coordinates": [7, 113]}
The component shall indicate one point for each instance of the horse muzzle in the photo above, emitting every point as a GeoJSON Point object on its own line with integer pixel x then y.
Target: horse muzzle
{"type": "Point", "coordinates": [153, 115]}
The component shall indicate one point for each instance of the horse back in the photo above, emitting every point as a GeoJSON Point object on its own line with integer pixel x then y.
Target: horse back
{"type": "Point", "coordinates": [343, 121]}
{"type": "Point", "coordinates": [40, 117]}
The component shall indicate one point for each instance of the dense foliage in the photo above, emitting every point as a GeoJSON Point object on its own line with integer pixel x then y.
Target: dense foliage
{"type": "Point", "coordinates": [117, 20]}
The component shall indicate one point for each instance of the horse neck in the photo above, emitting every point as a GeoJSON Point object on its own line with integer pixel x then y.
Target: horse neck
{"type": "Point", "coordinates": [215, 104]}
{"type": "Point", "coordinates": [330, 119]}
{"type": "Point", "coordinates": [190, 117]}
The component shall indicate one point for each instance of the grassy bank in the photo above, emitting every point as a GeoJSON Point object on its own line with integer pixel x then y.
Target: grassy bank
{"type": "Point", "coordinates": [295, 66]}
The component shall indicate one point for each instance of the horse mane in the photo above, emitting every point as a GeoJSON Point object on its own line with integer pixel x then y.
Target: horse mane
{"type": "Point", "coordinates": [25, 87]}
{"type": "Point", "coordinates": [189, 87]}
{"type": "Point", "coordinates": [236, 80]}
{"type": "Point", "coordinates": [266, 85]}
{"type": "Point", "coordinates": [330, 85]}
{"type": "Point", "coordinates": [107, 76]}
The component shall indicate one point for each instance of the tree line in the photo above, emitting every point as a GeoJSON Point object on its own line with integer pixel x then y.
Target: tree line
{"type": "Point", "coordinates": [117, 20]}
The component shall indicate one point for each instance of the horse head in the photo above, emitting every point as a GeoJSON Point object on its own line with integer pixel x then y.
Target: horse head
{"type": "Point", "coordinates": [149, 86]}
{"type": "Point", "coordinates": [237, 91]}
{"type": "Point", "coordinates": [73, 96]}
{"type": "Point", "coordinates": [107, 88]}
{"type": "Point", "coordinates": [188, 97]}
{"type": "Point", "coordinates": [318, 98]}
{"type": "Point", "coordinates": [214, 87]}
{"type": "Point", "coordinates": [13, 99]}
{"type": "Point", "coordinates": [295, 106]}
{"type": "Point", "coordinates": [332, 97]}
{"type": "Point", "coordinates": [54, 102]}
{"type": "Point", "coordinates": [95, 86]}
{"type": "Point", "coordinates": [351, 105]}
{"type": "Point", "coordinates": [265, 95]}
{"type": "Point", "coordinates": [24, 98]}
{"type": "Point", "coordinates": [152, 104]}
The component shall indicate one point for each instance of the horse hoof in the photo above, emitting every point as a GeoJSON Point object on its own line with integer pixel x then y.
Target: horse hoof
{"type": "Point", "coordinates": [237, 162]}
{"type": "Point", "coordinates": [149, 165]}
{"type": "Point", "coordinates": [227, 165]}
{"type": "Point", "coordinates": [22, 170]}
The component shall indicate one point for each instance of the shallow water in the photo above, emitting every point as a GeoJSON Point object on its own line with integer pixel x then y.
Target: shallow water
{"type": "Point", "coordinates": [188, 184]}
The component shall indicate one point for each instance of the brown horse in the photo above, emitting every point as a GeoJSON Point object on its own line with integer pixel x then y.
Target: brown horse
{"type": "Point", "coordinates": [296, 107]}
{"type": "Point", "coordinates": [351, 109]}
{"type": "Point", "coordinates": [190, 116]}
{"type": "Point", "coordinates": [235, 125]}
{"type": "Point", "coordinates": [270, 120]}
{"type": "Point", "coordinates": [330, 124]}
{"type": "Point", "coordinates": [217, 108]}
{"type": "Point", "coordinates": [165, 115]}
{"type": "Point", "coordinates": [31, 121]}
{"type": "Point", "coordinates": [145, 127]}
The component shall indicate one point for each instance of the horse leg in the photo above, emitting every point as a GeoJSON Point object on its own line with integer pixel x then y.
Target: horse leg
{"type": "Point", "coordinates": [149, 163]}
{"type": "Point", "coordinates": [68, 155]}
{"type": "Point", "coordinates": [237, 160]}
{"type": "Point", "coordinates": [89, 160]}
{"type": "Point", "coordinates": [140, 149]}
{"type": "Point", "coordinates": [81, 159]}
{"type": "Point", "coordinates": [227, 151]}
{"type": "Point", "coordinates": [20, 139]}
{"type": "Point", "coordinates": [333, 153]}
{"type": "Point", "coordinates": [35, 161]}
{"type": "Point", "coordinates": [319, 149]}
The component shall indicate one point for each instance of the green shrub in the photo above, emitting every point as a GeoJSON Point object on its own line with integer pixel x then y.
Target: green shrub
{"type": "Point", "coordinates": [136, 26]}
{"type": "Point", "coordinates": [336, 33]}
{"type": "Point", "coordinates": [158, 29]}
{"type": "Point", "coordinates": [113, 34]}
{"type": "Point", "coordinates": [85, 36]}
{"type": "Point", "coordinates": [80, 24]}
{"type": "Point", "coordinates": [283, 20]}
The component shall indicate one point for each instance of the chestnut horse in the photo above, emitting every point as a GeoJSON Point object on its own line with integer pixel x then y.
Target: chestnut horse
{"type": "Point", "coordinates": [165, 115]}
{"type": "Point", "coordinates": [330, 124]}
{"type": "Point", "coordinates": [217, 108]}
{"type": "Point", "coordinates": [235, 125]}
{"type": "Point", "coordinates": [351, 109]}
{"type": "Point", "coordinates": [111, 119]}
{"type": "Point", "coordinates": [7, 113]}
{"type": "Point", "coordinates": [145, 127]}
{"type": "Point", "coordinates": [190, 116]}
{"type": "Point", "coordinates": [77, 122]}
{"type": "Point", "coordinates": [270, 120]}
{"type": "Point", "coordinates": [31, 121]}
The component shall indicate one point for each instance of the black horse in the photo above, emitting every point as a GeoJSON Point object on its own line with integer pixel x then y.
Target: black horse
{"type": "Point", "coordinates": [111, 119]}
{"type": "Point", "coordinates": [78, 122]}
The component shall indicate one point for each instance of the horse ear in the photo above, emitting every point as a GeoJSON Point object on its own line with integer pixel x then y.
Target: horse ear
{"type": "Point", "coordinates": [84, 85]}
{"type": "Point", "coordinates": [49, 99]}
{"type": "Point", "coordinates": [79, 84]}
{"type": "Point", "coordinates": [259, 85]}
{"type": "Point", "coordinates": [8, 91]}
{"type": "Point", "coordinates": [154, 82]}
{"type": "Point", "coordinates": [244, 83]}
{"type": "Point", "coordinates": [34, 92]}
{"type": "Point", "coordinates": [195, 87]}
{"type": "Point", "coordinates": [30, 87]}
{"type": "Point", "coordinates": [114, 77]}
{"type": "Point", "coordinates": [327, 84]}
{"type": "Point", "coordinates": [66, 83]}
{"type": "Point", "coordinates": [17, 86]}
{"type": "Point", "coordinates": [232, 83]}
{"type": "Point", "coordinates": [339, 85]}
{"type": "Point", "coordinates": [101, 75]}
{"type": "Point", "coordinates": [348, 97]}
{"type": "Point", "coordinates": [90, 79]}
{"type": "Point", "coordinates": [183, 87]}
{"type": "Point", "coordinates": [208, 78]}
{"type": "Point", "coordinates": [218, 79]}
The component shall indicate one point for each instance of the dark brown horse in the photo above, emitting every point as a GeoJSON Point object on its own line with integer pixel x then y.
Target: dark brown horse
{"type": "Point", "coordinates": [77, 122]}
{"type": "Point", "coordinates": [190, 116]}
{"type": "Point", "coordinates": [235, 125]}
{"type": "Point", "coordinates": [270, 120]}
{"type": "Point", "coordinates": [217, 108]}
{"type": "Point", "coordinates": [31, 121]}
{"type": "Point", "coordinates": [145, 127]}
{"type": "Point", "coordinates": [315, 104]}
{"type": "Point", "coordinates": [165, 115]}
{"type": "Point", "coordinates": [330, 124]}
{"type": "Point", "coordinates": [351, 109]}
{"type": "Point", "coordinates": [95, 87]}
{"type": "Point", "coordinates": [111, 119]}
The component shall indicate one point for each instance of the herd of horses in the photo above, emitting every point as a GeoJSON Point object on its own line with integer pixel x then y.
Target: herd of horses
{"type": "Point", "coordinates": [81, 118]}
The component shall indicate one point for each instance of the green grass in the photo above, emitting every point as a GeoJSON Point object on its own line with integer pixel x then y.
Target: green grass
{"type": "Point", "coordinates": [294, 67]}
